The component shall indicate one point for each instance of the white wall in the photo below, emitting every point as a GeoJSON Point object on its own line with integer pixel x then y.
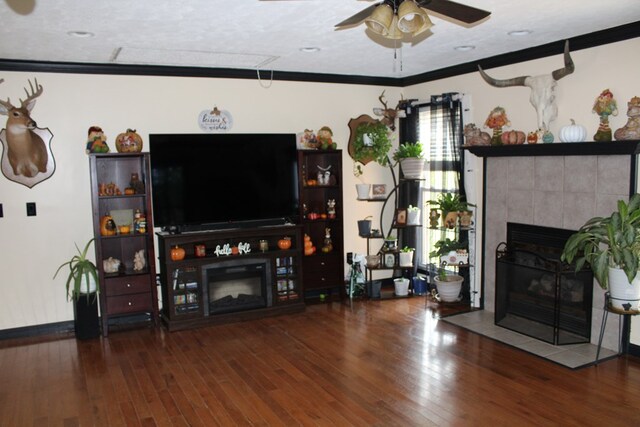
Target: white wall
{"type": "Point", "coordinates": [33, 247]}
{"type": "Point", "coordinates": [614, 66]}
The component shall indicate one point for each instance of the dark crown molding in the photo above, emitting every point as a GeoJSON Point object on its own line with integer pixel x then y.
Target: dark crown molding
{"type": "Point", "coordinates": [586, 41]}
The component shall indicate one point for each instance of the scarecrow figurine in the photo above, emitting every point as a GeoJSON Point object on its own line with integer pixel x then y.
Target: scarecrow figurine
{"type": "Point", "coordinates": [497, 120]}
{"type": "Point", "coordinates": [96, 141]}
{"type": "Point", "coordinates": [604, 106]}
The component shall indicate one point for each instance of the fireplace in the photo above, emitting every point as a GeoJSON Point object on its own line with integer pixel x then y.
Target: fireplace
{"type": "Point", "coordinates": [537, 294]}
{"type": "Point", "coordinates": [236, 285]}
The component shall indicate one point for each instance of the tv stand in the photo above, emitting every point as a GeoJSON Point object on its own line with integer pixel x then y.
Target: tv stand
{"type": "Point", "coordinates": [229, 265]}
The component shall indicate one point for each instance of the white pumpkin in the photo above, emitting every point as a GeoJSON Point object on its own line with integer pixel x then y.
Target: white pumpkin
{"type": "Point", "coordinates": [573, 133]}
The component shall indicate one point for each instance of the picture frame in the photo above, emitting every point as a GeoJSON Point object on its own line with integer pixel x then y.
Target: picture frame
{"type": "Point", "coordinates": [401, 217]}
{"type": "Point", "coordinates": [378, 191]}
{"type": "Point", "coordinates": [389, 260]}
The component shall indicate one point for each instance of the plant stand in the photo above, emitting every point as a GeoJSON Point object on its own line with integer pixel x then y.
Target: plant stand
{"type": "Point", "coordinates": [86, 322]}
{"type": "Point", "coordinates": [623, 327]}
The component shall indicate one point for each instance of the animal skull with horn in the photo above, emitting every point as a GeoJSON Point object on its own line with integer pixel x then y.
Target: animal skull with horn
{"type": "Point", "coordinates": [542, 96]}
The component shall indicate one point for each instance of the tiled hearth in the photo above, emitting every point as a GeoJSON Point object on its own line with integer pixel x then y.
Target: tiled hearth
{"type": "Point", "coordinates": [561, 191]}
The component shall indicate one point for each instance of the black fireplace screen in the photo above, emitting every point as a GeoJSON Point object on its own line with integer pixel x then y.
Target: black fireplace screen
{"type": "Point", "coordinates": [537, 294]}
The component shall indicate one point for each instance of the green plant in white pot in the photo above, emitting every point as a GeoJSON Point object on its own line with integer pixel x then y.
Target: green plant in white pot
{"type": "Point", "coordinates": [411, 159]}
{"type": "Point", "coordinates": [372, 142]}
{"type": "Point", "coordinates": [83, 274]}
{"type": "Point", "coordinates": [82, 286]}
{"type": "Point", "coordinates": [448, 285]}
{"type": "Point", "coordinates": [406, 257]}
{"type": "Point", "coordinates": [611, 246]}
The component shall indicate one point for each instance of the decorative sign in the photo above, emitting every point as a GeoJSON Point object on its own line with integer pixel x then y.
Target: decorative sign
{"type": "Point", "coordinates": [227, 249]}
{"type": "Point", "coordinates": [215, 120]}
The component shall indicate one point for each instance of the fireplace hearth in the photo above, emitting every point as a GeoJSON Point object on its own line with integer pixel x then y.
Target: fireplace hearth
{"type": "Point", "coordinates": [537, 294]}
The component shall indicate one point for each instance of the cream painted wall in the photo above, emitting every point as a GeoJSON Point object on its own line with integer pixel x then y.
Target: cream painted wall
{"type": "Point", "coordinates": [614, 66]}
{"type": "Point", "coordinates": [33, 247]}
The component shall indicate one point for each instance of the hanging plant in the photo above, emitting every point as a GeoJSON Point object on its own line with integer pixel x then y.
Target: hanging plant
{"type": "Point", "coordinates": [372, 142]}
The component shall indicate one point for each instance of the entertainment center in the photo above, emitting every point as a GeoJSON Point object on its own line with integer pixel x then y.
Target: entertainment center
{"type": "Point", "coordinates": [210, 286]}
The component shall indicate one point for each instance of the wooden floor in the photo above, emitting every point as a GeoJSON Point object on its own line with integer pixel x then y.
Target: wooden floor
{"type": "Point", "coordinates": [386, 363]}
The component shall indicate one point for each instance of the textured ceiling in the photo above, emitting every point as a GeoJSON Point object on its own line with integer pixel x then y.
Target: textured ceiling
{"type": "Point", "coordinates": [250, 34]}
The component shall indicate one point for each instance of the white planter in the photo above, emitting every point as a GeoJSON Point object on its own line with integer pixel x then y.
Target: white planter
{"type": "Point", "coordinates": [412, 167]}
{"type": "Point", "coordinates": [406, 259]}
{"type": "Point", "coordinates": [449, 290]}
{"type": "Point", "coordinates": [363, 191]}
{"type": "Point", "coordinates": [401, 285]}
{"type": "Point", "coordinates": [413, 216]}
{"type": "Point", "coordinates": [624, 295]}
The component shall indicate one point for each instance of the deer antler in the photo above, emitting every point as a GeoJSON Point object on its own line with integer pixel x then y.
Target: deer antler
{"type": "Point", "coordinates": [6, 104]}
{"type": "Point", "coordinates": [34, 93]}
{"type": "Point", "coordinates": [381, 98]}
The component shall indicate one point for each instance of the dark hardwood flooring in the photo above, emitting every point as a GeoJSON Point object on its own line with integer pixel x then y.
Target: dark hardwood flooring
{"type": "Point", "coordinates": [385, 363]}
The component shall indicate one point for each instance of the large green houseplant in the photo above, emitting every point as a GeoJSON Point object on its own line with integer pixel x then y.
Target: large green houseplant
{"type": "Point", "coordinates": [611, 246]}
{"type": "Point", "coordinates": [372, 142]}
{"type": "Point", "coordinates": [83, 274]}
{"type": "Point", "coordinates": [450, 204]}
{"type": "Point", "coordinates": [82, 287]}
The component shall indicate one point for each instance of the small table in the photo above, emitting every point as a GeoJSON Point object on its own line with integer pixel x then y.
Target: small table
{"type": "Point", "coordinates": [608, 308]}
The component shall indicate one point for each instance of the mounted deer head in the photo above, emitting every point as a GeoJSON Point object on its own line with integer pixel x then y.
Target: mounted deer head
{"type": "Point", "coordinates": [542, 89]}
{"type": "Point", "coordinates": [26, 151]}
{"type": "Point", "coordinates": [389, 115]}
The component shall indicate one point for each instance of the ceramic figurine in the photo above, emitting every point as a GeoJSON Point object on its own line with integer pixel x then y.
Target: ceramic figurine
{"type": "Point", "coordinates": [604, 107]}
{"type": "Point", "coordinates": [96, 141]}
{"type": "Point", "coordinates": [497, 120]}
{"type": "Point", "coordinates": [331, 208]}
{"type": "Point", "coordinates": [325, 138]}
{"type": "Point", "coordinates": [327, 245]}
{"type": "Point", "coordinates": [632, 129]}
{"type": "Point", "coordinates": [139, 263]}
{"type": "Point", "coordinates": [136, 184]}
{"type": "Point", "coordinates": [474, 136]}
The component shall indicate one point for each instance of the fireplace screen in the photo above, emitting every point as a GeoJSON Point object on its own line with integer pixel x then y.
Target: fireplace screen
{"type": "Point", "coordinates": [538, 295]}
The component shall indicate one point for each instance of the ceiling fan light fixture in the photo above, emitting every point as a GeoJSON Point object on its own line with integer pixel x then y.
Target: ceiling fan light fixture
{"type": "Point", "coordinates": [394, 30]}
{"type": "Point", "coordinates": [380, 19]}
{"type": "Point", "coordinates": [427, 24]}
{"type": "Point", "coordinates": [411, 17]}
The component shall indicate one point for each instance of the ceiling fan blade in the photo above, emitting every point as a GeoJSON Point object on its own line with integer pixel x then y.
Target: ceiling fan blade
{"type": "Point", "coordinates": [358, 17]}
{"type": "Point", "coordinates": [454, 10]}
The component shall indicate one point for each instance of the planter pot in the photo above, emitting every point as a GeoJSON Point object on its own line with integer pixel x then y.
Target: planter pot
{"type": "Point", "coordinates": [413, 216]}
{"type": "Point", "coordinates": [624, 295]}
{"type": "Point", "coordinates": [401, 285]}
{"type": "Point", "coordinates": [373, 261]}
{"type": "Point", "coordinates": [364, 227]}
{"type": "Point", "coordinates": [85, 310]}
{"type": "Point", "coordinates": [373, 288]}
{"type": "Point", "coordinates": [419, 286]}
{"type": "Point", "coordinates": [406, 259]}
{"type": "Point", "coordinates": [449, 290]}
{"type": "Point", "coordinates": [412, 167]}
{"type": "Point", "coordinates": [363, 191]}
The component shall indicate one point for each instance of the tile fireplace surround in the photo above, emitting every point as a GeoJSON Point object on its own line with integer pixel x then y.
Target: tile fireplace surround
{"type": "Point", "coordinates": [558, 185]}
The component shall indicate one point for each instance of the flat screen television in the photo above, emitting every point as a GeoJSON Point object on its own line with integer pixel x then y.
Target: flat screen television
{"type": "Point", "coordinates": [212, 181]}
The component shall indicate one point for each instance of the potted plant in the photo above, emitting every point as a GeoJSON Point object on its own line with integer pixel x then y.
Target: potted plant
{"type": "Point", "coordinates": [611, 246]}
{"type": "Point", "coordinates": [446, 246]}
{"type": "Point", "coordinates": [372, 142]}
{"type": "Point", "coordinates": [82, 287]}
{"type": "Point", "coordinates": [450, 204]}
{"type": "Point", "coordinates": [411, 159]}
{"type": "Point", "coordinates": [448, 285]}
{"type": "Point", "coordinates": [406, 256]}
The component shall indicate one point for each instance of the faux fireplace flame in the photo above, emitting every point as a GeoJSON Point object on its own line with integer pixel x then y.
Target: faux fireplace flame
{"type": "Point", "coordinates": [537, 294]}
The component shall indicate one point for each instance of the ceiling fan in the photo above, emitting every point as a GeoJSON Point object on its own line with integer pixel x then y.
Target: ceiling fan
{"type": "Point", "coordinates": [457, 11]}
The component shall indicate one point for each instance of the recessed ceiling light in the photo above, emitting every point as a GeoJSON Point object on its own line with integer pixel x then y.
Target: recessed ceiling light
{"type": "Point", "coordinates": [81, 34]}
{"type": "Point", "coordinates": [465, 48]}
{"type": "Point", "coordinates": [520, 32]}
{"type": "Point", "coordinates": [309, 49]}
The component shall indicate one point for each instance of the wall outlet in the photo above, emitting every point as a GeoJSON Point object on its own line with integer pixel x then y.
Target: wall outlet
{"type": "Point", "coordinates": [31, 208]}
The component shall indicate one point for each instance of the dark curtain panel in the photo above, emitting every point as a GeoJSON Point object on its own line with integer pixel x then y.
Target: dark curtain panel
{"type": "Point", "coordinates": [446, 117]}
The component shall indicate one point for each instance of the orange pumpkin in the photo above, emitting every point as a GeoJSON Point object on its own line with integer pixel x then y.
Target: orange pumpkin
{"type": "Point", "coordinates": [129, 191]}
{"type": "Point", "coordinates": [177, 253]}
{"type": "Point", "coordinates": [284, 243]}
{"type": "Point", "coordinates": [234, 250]}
